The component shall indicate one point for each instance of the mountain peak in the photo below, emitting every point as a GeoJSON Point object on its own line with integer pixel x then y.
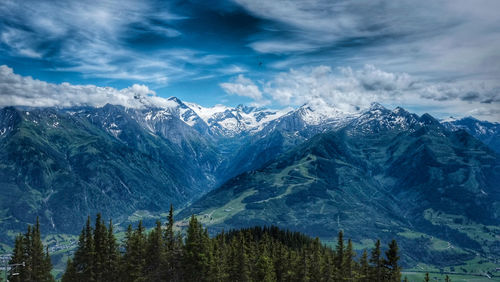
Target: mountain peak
{"type": "Point", "coordinates": [112, 107]}
{"type": "Point", "coordinates": [429, 120]}
{"type": "Point", "coordinates": [470, 118]}
{"type": "Point", "coordinates": [245, 109]}
{"type": "Point", "coordinates": [318, 112]}
{"type": "Point", "coordinates": [399, 111]}
{"type": "Point", "coordinates": [376, 106]}
{"type": "Point", "coordinates": [175, 99]}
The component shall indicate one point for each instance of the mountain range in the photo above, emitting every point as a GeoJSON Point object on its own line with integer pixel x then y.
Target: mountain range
{"type": "Point", "coordinates": [384, 172]}
{"type": "Point", "coordinates": [376, 172]}
{"type": "Point", "coordinates": [62, 164]}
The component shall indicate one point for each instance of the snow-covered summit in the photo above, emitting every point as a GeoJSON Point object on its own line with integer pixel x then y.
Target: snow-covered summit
{"type": "Point", "coordinates": [319, 112]}
{"type": "Point", "coordinates": [378, 118]}
{"type": "Point", "coordinates": [487, 132]}
{"type": "Point", "coordinates": [232, 121]}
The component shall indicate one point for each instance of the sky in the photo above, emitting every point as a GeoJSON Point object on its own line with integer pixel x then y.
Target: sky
{"type": "Point", "coordinates": [435, 56]}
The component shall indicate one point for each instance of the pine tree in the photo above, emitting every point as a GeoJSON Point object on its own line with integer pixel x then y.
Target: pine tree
{"type": "Point", "coordinates": [264, 269]}
{"type": "Point", "coordinates": [134, 258]}
{"type": "Point", "coordinates": [339, 257]}
{"type": "Point", "coordinates": [79, 263]}
{"type": "Point", "coordinates": [37, 255]}
{"type": "Point", "coordinates": [112, 256]}
{"type": "Point", "coordinates": [197, 252]}
{"type": "Point", "coordinates": [303, 266]}
{"type": "Point", "coordinates": [377, 264]}
{"type": "Point", "coordinates": [219, 267]}
{"type": "Point", "coordinates": [27, 273]}
{"type": "Point", "coordinates": [126, 265]}
{"type": "Point", "coordinates": [40, 261]}
{"type": "Point", "coordinates": [99, 239]}
{"type": "Point", "coordinates": [339, 251]}
{"type": "Point", "coordinates": [47, 265]}
{"type": "Point", "coordinates": [18, 257]}
{"type": "Point", "coordinates": [293, 269]}
{"type": "Point", "coordinates": [317, 261]}
{"type": "Point", "coordinates": [263, 263]}
{"type": "Point", "coordinates": [84, 260]}
{"type": "Point", "coordinates": [329, 273]}
{"type": "Point", "coordinates": [281, 262]}
{"type": "Point", "coordinates": [392, 269]}
{"type": "Point", "coordinates": [348, 266]}
{"type": "Point", "coordinates": [169, 232]}
{"type": "Point", "coordinates": [155, 254]}
{"type": "Point", "coordinates": [240, 262]}
{"type": "Point", "coordinates": [87, 273]}
{"type": "Point", "coordinates": [29, 249]}
{"type": "Point", "coordinates": [173, 251]}
{"type": "Point", "coordinates": [364, 269]}
{"type": "Point", "coordinates": [70, 272]}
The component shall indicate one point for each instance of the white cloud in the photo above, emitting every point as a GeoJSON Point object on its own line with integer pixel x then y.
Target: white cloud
{"type": "Point", "coordinates": [347, 89]}
{"type": "Point", "coordinates": [436, 39]}
{"type": "Point", "coordinates": [92, 38]}
{"type": "Point", "coordinates": [232, 69]}
{"type": "Point", "coordinates": [350, 90]}
{"type": "Point", "coordinates": [242, 86]}
{"type": "Point", "coordinates": [281, 47]}
{"type": "Point", "coordinates": [15, 39]}
{"type": "Point", "coordinates": [17, 90]}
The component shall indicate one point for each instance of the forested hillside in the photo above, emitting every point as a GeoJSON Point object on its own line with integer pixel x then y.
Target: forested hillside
{"type": "Point", "coordinates": [250, 254]}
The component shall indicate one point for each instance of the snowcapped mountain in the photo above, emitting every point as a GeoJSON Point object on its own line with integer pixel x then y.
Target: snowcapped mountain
{"type": "Point", "coordinates": [321, 113]}
{"type": "Point", "coordinates": [384, 172]}
{"type": "Point", "coordinates": [191, 148]}
{"type": "Point", "coordinates": [62, 164]}
{"type": "Point", "coordinates": [216, 121]}
{"type": "Point", "coordinates": [377, 118]}
{"type": "Point", "coordinates": [228, 121]}
{"type": "Point", "coordinates": [307, 120]}
{"type": "Point", "coordinates": [311, 119]}
{"type": "Point", "coordinates": [303, 123]}
{"type": "Point", "coordinates": [487, 132]}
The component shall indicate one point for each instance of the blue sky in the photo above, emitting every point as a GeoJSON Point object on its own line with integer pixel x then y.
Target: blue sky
{"type": "Point", "coordinates": [429, 56]}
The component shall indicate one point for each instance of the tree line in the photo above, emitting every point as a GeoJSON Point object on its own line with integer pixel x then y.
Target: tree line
{"type": "Point", "coordinates": [250, 254]}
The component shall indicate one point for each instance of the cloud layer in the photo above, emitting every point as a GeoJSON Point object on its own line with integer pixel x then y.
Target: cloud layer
{"type": "Point", "coordinates": [345, 88]}
{"type": "Point", "coordinates": [437, 39]}
{"type": "Point", "coordinates": [244, 87]}
{"type": "Point", "coordinates": [351, 90]}
{"type": "Point", "coordinates": [121, 40]}
{"type": "Point", "coordinates": [16, 90]}
{"type": "Point", "coordinates": [436, 55]}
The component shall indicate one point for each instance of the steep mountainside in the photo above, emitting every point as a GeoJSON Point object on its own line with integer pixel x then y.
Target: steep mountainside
{"type": "Point", "coordinates": [63, 165]}
{"type": "Point", "coordinates": [388, 173]}
{"type": "Point", "coordinates": [282, 134]}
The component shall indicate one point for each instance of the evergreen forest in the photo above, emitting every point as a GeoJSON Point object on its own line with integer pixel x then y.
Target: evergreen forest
{"type": "Point", "coordinates": [162, 254]}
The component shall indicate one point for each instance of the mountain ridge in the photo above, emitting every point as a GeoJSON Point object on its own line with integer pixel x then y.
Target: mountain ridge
{"type": "Point", "coordinates": [191, 155]}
